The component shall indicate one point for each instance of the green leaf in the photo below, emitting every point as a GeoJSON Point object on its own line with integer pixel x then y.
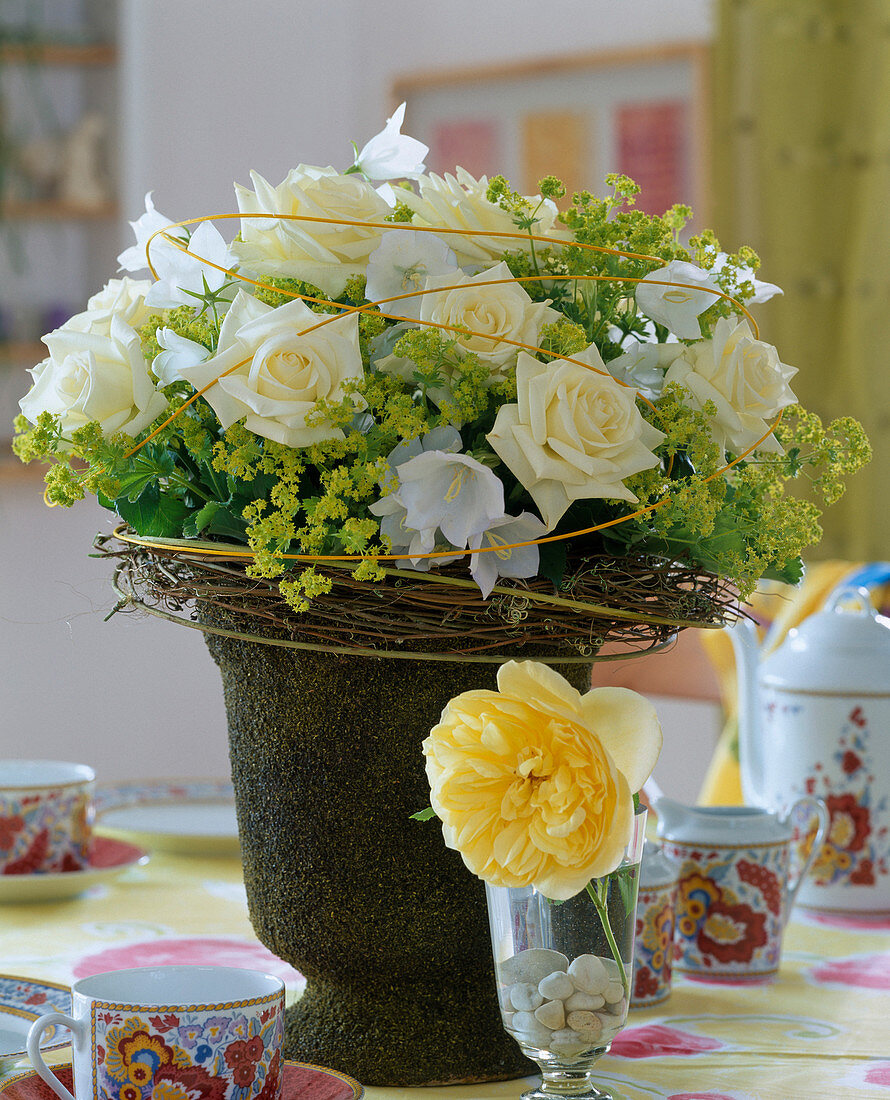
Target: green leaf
{"type": "Point", "coordinates": [154, 514]}
{"type": "Point", "coordinates": [552, 563]}
{"type": "Point", "coordinates": [196, 524]}
{"type": "Point", "coordinates": [791, 572]}
{"type": "Point", "coordinates": [424, 815]}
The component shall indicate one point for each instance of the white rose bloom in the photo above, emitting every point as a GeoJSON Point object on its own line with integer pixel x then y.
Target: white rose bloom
{"type": "Point", "coordinates": [574, 434]}
{"type": "Point", "coordinates": [677, 306]}
{"type": "Point", "coordinates": [745, 379]}
{"type": "Point", "coordinates": [123, 298]}
{"type": "Point", "coordinates": [459, 202]}
{"type": "Point", "coordinates": [391, 154]}
{"type": "Point", "coordinates": [91, 376]}
{"type": "Point", "coordinates": [494, 315]}
{"type": "Point", "coordinates": [277, 374]}
{"type": "Point", "coordinates": [321, 254]}
{"type": "Point", "coordinates": [491, 313]}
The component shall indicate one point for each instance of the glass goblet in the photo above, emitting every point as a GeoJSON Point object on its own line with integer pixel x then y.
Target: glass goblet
{"type": "Point", "coordinates": [564, 972]}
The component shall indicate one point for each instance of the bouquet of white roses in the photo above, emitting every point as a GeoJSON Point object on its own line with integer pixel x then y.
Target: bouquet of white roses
{"type": "Point", "coordinates": [434, 370]}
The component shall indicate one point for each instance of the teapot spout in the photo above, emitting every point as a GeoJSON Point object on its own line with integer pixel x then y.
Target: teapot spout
{"type": "Point", "coordinates": [746, 646]}
{"type": "Point", "coordinates": [670, 814]}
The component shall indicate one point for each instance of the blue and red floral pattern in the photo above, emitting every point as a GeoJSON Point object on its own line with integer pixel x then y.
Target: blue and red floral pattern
{"type": "Point", "coordinates": [730, 910]}
{"type": "Point", "coordinates": [653, 945]}
{"type": "Point", "coordinates": [224, 1053]}
{"type": "Point", "coordinates": [856, 851]}
{"type": "Point", "coordinates": [44, 831]}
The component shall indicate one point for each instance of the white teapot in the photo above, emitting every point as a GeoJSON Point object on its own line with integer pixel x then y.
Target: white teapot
{"type": "Point", "coordinates": [814, 719]}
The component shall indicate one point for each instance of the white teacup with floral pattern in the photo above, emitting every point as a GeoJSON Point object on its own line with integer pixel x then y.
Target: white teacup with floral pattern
{"type": "Point", "coordinates": [173, 1032]}
{"type": "Point", "coordinates": [46, 815]}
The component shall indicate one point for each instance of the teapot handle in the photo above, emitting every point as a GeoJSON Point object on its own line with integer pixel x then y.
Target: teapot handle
{"type": "Point", "coordinates": [820, 810]}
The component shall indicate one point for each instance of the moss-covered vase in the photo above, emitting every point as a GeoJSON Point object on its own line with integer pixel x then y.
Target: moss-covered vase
{"type": "Point", "coordinates": [387, 925]}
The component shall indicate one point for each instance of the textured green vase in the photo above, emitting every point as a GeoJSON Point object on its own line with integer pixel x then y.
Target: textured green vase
{"type": "Point", "coordinates": [387, 925]}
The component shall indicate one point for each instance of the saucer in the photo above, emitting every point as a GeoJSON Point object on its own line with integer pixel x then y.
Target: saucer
{"type": "Point", "coordinates": [190, 817]}
{"type": "Point", "coordinates": [108, 859]}
{"type": "Point", "coordinates": [22, 1000]}
{"type": "Point", "coordinates": [300, 1081]}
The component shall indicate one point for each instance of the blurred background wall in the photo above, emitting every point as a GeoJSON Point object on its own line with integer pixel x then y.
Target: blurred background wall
{"type": "Point", "coordinates": [193, 95]}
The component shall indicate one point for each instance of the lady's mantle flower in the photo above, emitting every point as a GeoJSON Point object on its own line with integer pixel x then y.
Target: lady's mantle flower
{"type": "Point", "coordinates": [574, 434]}
{"type": "Point", "coordinates": [677, 306]}
{"type": "Point", "coordinates": [744, 378]}
{"type": "Point", "coordinates": [277, 372]}
{"type": "Point", "coordinates": [95, 376]}
{"type": "Point", "coordinates": [320, 252]}
{"type": "Point", "coordinates": [392, 155]}
{"type": "Point", "coordinates": [533, 782]}
{"type": "Point", "coordinates": [402, 263]}
{"type": "Point", "coordinates": [459, 202]}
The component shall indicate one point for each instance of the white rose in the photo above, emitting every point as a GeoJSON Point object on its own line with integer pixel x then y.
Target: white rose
{"type": "Point", "coordinates": [575, 434]}
{"type": "Point", "coordinates": [494, 315]}
{"type": "Point", "coordinates": [277, 372]}
{"type": "Point", "coordinates": [123, 298]}
{"type": "Point", "coordinates": [319, 253]}
{"type": "Point", "coordinates": [459, 202]}
{"type": "Point", "coordinates": [745, 379]}
{"type": "Point", "coordinates": [91, 376]}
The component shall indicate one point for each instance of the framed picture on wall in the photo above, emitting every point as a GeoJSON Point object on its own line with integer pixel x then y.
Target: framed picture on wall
{"type": "Point", "coordinates": [640, 112]}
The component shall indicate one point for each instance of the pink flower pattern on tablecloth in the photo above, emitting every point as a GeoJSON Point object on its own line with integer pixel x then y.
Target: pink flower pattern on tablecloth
{"type": "Point", "coordinates": [856, 971]}
{"type": "Point", "coordinates": [191, 951]}
{"type": "Point", "coordinates": [659, 1041]}
{"type": "Point", "coordinates": [878, 1074]}
{"type": "Point", "coordinates": [847, 922]}
{"type": "Point", "coordinates": [700, 1096]}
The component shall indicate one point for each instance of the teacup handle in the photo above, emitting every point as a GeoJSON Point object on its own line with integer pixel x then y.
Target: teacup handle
{"type": "Point", "coordinates": [35, 1034]}
{"type": "Point", "coordinates": [824, 820]}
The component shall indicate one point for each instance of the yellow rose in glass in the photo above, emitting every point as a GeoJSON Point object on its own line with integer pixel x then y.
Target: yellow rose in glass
{"type": "Point", "coordinates": [534, 782]}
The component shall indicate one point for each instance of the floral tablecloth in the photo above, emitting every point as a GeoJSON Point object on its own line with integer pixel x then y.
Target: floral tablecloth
{"type": "Point", "coordinates": [821, 1030]}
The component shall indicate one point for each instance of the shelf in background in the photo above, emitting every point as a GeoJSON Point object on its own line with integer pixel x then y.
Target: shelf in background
{"type": "Point", "coordinates": [51, 210]}
{"type": "Point", "coordinates": [58, 53]}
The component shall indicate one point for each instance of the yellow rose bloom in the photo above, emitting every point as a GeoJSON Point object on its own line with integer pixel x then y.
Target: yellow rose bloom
{"type": "Point", "coordinates": [534, 782]}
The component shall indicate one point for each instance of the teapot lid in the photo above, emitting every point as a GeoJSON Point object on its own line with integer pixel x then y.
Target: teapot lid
{"type": "Point", "coordinates": [846, 645]}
